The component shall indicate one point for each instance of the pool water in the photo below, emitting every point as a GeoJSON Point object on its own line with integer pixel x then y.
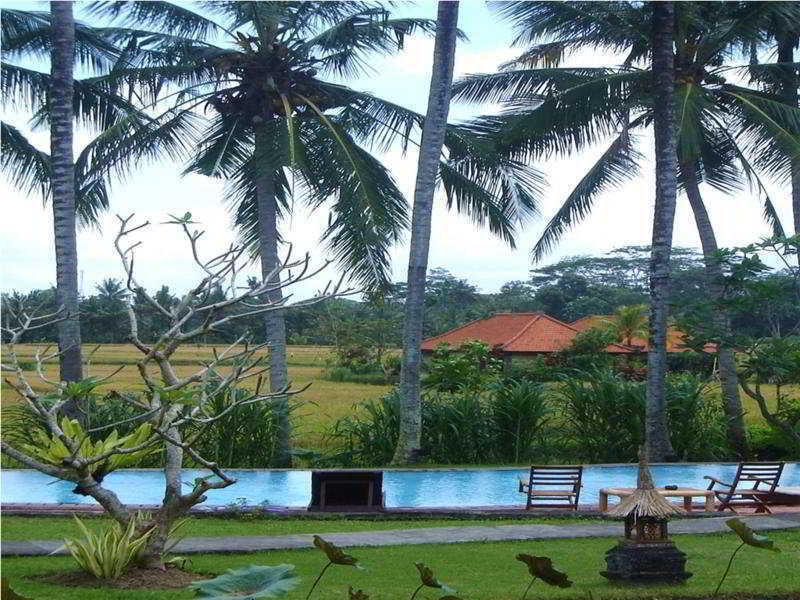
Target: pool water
{"type": "Point", "coordinates": [404, 488]}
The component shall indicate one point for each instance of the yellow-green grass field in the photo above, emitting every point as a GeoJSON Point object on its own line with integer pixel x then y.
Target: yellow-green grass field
{"type": "Point", "coordinates": [317, 408]}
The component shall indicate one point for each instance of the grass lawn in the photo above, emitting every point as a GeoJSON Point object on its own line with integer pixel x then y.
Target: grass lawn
{"type": "Point", "coordinates": [44, 528]}
{"type": "Point", "coordinates": [479, 571]}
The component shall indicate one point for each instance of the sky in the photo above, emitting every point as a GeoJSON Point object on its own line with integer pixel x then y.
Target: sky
{"type": "Point", "coordinates": [622, 216]}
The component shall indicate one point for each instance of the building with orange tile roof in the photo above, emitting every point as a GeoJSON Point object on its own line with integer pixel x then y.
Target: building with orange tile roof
{"type": "Point", "coordinates": [516, 334]}
{"type": "Point", "coordinates": [675, 337]}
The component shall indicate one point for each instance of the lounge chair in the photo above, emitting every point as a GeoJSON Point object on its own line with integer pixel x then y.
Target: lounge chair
{"type": "Point", "coordinates": [567, 480]}
{"type": "Point", "coordinates": [753, 485]}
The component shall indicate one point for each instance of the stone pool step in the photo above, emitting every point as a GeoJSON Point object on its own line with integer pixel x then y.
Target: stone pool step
{"type": "Point", "coordinates": [432, 535]}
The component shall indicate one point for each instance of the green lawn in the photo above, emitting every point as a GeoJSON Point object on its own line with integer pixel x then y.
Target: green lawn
{"type": "Point", "coordinates": [49, 528]}
{"type": "Point", "coordinates": [479, 571]}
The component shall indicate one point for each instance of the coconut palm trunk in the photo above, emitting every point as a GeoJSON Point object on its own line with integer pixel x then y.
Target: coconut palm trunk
{"type": "Point", "coordinates": [408, 443]}
{"type": "Point", "coordinates": [656, 427]}
{"type": "Point", "coordinates": [63, 190]}
{"type": "Point", "coordinates": [734, 416]}
{"type": "Point", "coordinates": [274, 321]}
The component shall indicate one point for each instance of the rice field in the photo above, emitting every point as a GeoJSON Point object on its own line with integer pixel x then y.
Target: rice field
{"type": "Point", "coordinates": [317, 408]}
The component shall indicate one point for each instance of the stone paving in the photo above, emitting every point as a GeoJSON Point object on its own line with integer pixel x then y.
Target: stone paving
{"type": "Point", "coordinates": [432, 535]}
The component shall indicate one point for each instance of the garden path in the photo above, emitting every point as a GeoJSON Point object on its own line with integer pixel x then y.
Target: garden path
{"type": "Point", "coordinates": [433, 535]}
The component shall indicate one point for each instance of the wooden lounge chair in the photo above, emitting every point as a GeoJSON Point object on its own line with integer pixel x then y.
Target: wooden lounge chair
{"type": "Point", "coordinates": [753, 484]}
{"type": "Point", "coordinates": [566, 480]}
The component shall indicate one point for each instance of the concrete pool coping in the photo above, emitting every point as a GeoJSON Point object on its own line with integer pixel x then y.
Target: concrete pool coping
{"type": "Point", "coordinates": [433, 535]}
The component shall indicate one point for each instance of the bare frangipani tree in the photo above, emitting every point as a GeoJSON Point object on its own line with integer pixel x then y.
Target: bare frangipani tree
{"type": "Point", "coordinates": [172, 410]}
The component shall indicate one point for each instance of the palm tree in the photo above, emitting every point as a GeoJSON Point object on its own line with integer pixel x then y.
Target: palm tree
{"type": "Point", "coordinates": [631, 322]}
{"type": "Point", "coordinates": [659, 447]}
{"type": "Point", "coordinates": [63, 186]}
{"type": "Point", "coordinates": [433, 133]}
{"type": "Point", "coordinates": [281, 132]}
{"type": "Point", "coordinates": [80, 188]}
{"type": "Point", "coordinates": [565, 109]}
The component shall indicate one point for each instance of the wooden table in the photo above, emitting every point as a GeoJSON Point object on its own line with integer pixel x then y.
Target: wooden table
{"type": "Point", "coordinates": [686, 493]}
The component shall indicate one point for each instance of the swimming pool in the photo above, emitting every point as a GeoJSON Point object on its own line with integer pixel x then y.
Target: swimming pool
{"type": "Point", "coordinates": [434, 488]}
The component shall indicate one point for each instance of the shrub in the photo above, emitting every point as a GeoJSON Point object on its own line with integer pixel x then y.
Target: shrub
{"type": "Point", "coordinates": [519, 414]}
{"type": "Point", "coordinates": [696, 422]}
{"type": "Point", "coordinates": [768, 443]}
{"type": "Point", "coordinates": [246, 437]}
{"type": "Point", "coordinates": [536, 370]}
{"type": "Point", "coordinates": [392, 364]}
{"type": "Point", "coordinates": [107, 555]}
{"type": "Point", "coordinates": [604, 415]}
{"type": "Point", "coordinates": [505, 424]}
{"type": "Point", "coordinates": [469, 367]}
{"type": "Point", "coordinates": [456, 428]}
{"type": "Point", "coordinates": [700, 363]}
{"type": "Point", "coordinates": [369, 437]}
{"type": "Point", "coordinates": [347, 374]}
{"type": "Point", "coordinates": [586, 351]}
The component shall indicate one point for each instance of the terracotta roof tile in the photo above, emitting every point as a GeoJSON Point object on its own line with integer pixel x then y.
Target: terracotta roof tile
{"type": "Point", "coordinates": [516, 333]}
{"type": "Point", "coordinates": [675, 337]}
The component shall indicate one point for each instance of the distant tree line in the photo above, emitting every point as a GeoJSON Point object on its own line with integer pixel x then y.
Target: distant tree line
{"type": "Point", "coordinates": [569, 289]}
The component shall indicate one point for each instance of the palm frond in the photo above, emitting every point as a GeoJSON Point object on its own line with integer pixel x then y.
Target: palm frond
{"type": "Point", "coordinates": [164, 16]}
{"type": "Point", "coordinates": [618, 164]}
{"type": "Point", "coordinates": [225, 146]}
{"type": "Point", "coordinates": [768, 129]}
{"type": "Point", "coordinates": [754, 180]}
{"type": "Point", "coordinates": [369, 211]}
{"type": "Point", "coordinates": [28, 34]}
{"type": "Point", "coordinates": [27, 168]}
{"type": "Point", "coordinates": [612, 25]}
{"type": "Point", "coordinates": [531, 83]}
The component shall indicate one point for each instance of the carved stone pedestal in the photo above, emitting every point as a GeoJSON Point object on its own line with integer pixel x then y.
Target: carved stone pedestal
{"type": "Point", "coordinates": [645, 562]}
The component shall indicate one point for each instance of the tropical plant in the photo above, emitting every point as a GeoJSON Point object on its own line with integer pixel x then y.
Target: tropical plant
{"type": "Point", "coordinates": [771, 358]}
{"type": "Point", "coordinates": [604, 415]}
{"type": "Point", "coordinates": [748, 538]}
{"type": "Point", "coordinates": [253, 581]}
{"type": "Point", "coordinates": [369, 437]}
{"type": "Point", "coordinates": [456, 428]}
{"type": "Point", "coordinates": [335, 555]}
{"type": "Point", "coordinates": [106, 455]}
{"type": "Point", "coordinates": [723, 126]}
{"type": "Point", "coordinates": [9, 593]}
{"type": "Point", "coordinates": [280, 131]}
{"type": "Point", "coordinates": [108, 555]}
